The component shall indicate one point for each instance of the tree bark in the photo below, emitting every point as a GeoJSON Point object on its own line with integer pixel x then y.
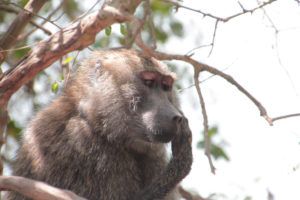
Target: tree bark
{"type": "Point", "coordinates": [10, 36]}
{"type": "Point", "coordinates": [35, 190]}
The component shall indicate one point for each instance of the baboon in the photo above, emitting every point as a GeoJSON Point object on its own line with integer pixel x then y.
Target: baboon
{"type": "Point", "coordinates": [104, 137]}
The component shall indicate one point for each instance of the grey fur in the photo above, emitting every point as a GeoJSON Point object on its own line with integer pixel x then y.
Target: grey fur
{"type": "Point", "coordinates": [99, 138]}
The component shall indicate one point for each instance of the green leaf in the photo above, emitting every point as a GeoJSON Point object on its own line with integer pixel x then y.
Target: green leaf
{"type": "Point", "coordinates": [217, 152]}
{"type": "Point", "coordinates": [161, 35]}
{"type": "Point", "coordinates": [67, 60]}
{"type": "Point", "coordinates": [22, 3]}
{"type": "Point", "coordinates": [177, 28]}
{"type": "Point", "coordinates": [161, 7]}
{"type": "Point", "coordinates": [212, 131]}
{"type": "Point", "coordinates": [13, 130]}
{"type": "Point", "coordinates": [103, 42]}
{"type": "Point", "coordinates": [108, 31]}
{"type": "Point", "coordinates": [121, 40]}
{"type": "Point", "coordinates": [123, 29]}
{"type": "Point", "coordinates": [54, 87]}
{"type": "Point", "coordinates": [21, 52]}
{"type": "Point", "coordinates": [71, 8]}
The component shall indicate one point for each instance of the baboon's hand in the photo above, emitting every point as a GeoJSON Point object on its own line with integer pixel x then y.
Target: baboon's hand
{"type": "Point", "coordinates": [182, 149]}
{"type": "Point", "coordinates": [178, 167]}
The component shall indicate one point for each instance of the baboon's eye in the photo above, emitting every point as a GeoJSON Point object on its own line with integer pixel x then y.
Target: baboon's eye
{"type": "Point", "coordinates": [148, 78]}
{"type": "Point", "coordinates": [149, 83]}
{"type": "Point", "coordinates": [167, 83]}
{"type": "Point", "coordinates": [166, 87]}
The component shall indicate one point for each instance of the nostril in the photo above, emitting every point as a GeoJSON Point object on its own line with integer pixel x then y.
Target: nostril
{"type": "Point", "coordinates": [177, 119]}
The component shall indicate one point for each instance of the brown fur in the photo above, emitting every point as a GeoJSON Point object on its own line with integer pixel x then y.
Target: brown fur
{"type": "Point", "coordinates": [89, 140]}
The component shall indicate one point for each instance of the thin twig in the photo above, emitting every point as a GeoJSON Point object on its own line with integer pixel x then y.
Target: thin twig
{"type": "Point", "coordinates": [213, 38]}
{"type": "Point", "coordinates": [36, 15]}
{"type": "Point", "coordinates": [207, 141]}
{"type": "Point", "coordinates": [285, 116]}
{"type": "Point", "coordinates": [18, 24]}
{"type": "Point", "coordinates": [231, 80]}
{"type": "Point", "coordinates": [201, 81]}
{"type": "Point", "coordinates": [23, 36]}
{"type": "Point", "coordinates": [8, 8]}
{"type": "Point", "coordinates": [223, 19]}
{"type": "Point", "coordinates": [19, 48]}
{"type": "Point", "coordinates": [191, 52]}
{"type": "Point", "coordinates": [137, 24]}
{"type": "Point", "coordinates": [277, 31]}
{"type": "Point", "coordinates": [151, 27]}
{"type": "Point", "coordinates": [90, 9]}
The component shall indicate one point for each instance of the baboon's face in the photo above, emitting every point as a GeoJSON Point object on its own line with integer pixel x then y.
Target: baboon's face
{"type": "Point", "coordinates": [127, 95]}
{"type": "Point", "coordinates": [156, 110]}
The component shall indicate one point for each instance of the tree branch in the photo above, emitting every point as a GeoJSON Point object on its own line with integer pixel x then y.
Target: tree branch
{"type": "Point", "coordinates": [33, 23]}
{"type": "Point", "coordinates": [77, 36]}
{"type": "Point", "coordinates": [3, 126]}
{"type": "Point", "coordinates": [204, 67]}
{"type": "Point", "coordinates": [35, 190]}
{"type": "Point", "coordinates": [213, 37]}
{"type": "Point", "coordinates": [222, 19]}
{"type": "Point", "coordinates": [48, 19]}
{"type": "Point", "coordinates": [17, 26]}
{"type": "Point", "coordinates": [205, 120]}
{"type": "Point", "coordinates": [285, 116]}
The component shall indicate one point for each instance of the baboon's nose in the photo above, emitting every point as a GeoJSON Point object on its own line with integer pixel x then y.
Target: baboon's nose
{"type": "Point", "coordinates": [177, 119]}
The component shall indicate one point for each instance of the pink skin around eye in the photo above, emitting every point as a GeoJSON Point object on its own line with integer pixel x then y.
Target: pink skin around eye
{"type": "Point", "coordinates": [167, 80]}
{"type": "Point", "coordinates": [148, 75]}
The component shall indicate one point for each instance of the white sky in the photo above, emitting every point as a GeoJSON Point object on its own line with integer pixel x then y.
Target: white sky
{"type": "Point", "coordinates": [262, 157]}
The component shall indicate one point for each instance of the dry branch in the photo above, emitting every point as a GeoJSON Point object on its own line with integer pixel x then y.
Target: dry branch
{"type": "Point", "coordinates": [77, 36]}
{"type": "Point", "coordinates": [207, 143]}
{"type": "Point", "coordinates": [198, 66]}
{"type": "Point", "coordinates": [48, 19]}
{"type": "Point", "coordinates": [285, 116]}
{"type": "Point", "coordinates": [17, 26]}
{"type": "Point", "coordinates": [222, 19]}
{"type": "Point", "coordinates": [8, 8]}
{"type": "Point", "coordinates": [35, 190]}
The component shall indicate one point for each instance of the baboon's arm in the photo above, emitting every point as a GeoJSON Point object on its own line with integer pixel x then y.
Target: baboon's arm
{"type": "Point", "coordinates": [178, 167]}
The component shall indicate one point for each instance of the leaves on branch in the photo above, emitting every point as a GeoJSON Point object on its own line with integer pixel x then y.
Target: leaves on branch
{"type": "Point", "coordinates": [216, 148]}
{"type": "Point", "coordinates": [108, 31]}
{"type": "Point", "coordinates": [54, 87]}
